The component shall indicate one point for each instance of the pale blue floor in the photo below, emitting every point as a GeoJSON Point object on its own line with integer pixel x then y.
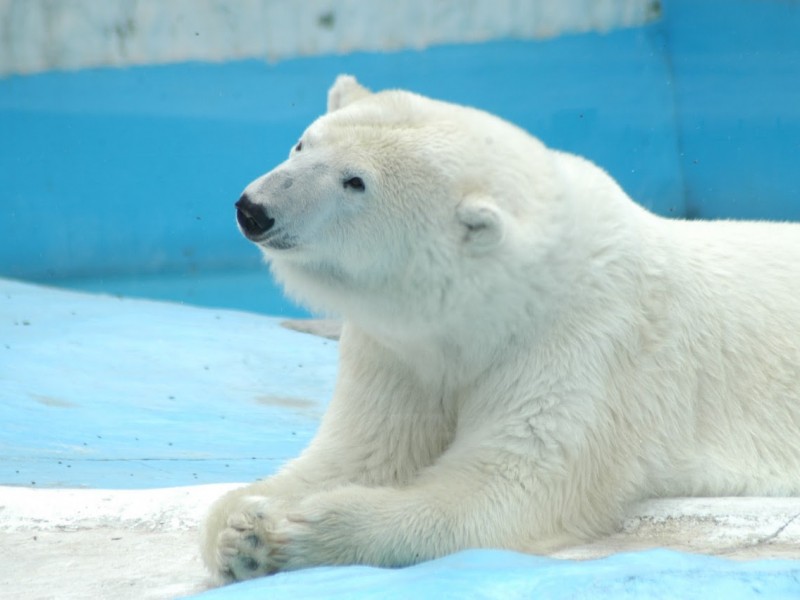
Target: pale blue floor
{"type": "Point", "coordinates": [102, 392]}
{"type": "Point", "coordinates": [98, 391]}
{"type": "Point", "coordinates": [501, 575]}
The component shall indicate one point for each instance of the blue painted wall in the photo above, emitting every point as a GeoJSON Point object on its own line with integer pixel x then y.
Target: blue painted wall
{"type": "Point", "coordinates": [736, 70]}
{"type": "Point", "coordinates": [129, 172]}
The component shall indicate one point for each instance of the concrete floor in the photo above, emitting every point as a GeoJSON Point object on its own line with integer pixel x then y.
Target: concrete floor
{"type": "Point", "coordinates": [122, 420]}
{"type": "Point", "coordinates": [143, 544]}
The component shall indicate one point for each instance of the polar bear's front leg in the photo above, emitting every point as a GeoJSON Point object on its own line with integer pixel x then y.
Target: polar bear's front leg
{"type": "Point", "coordinates": [447, 510]}
{"type": "Point", "coordinates": [381, 428]}
{"type": "Point", "coordinates": [239, 532]}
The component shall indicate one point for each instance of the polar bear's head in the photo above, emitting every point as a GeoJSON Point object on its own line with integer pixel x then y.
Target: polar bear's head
{"type": "Point", "coordinates": [386, 200]}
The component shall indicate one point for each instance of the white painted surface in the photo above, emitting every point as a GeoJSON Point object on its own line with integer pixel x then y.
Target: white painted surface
{"type": "Point", "coordinates": [39, 35]}
{"type": "Point", "coordinates": [159, 509]}
{"type": "Point", "coordinates": [134, 544]}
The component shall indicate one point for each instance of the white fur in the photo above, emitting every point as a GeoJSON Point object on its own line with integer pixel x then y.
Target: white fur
{"type": "Point", "coordinates": [526, 351]}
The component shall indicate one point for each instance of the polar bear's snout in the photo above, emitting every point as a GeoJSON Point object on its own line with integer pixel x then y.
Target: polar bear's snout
{"type": "Point", "coordinates": [252, 218]}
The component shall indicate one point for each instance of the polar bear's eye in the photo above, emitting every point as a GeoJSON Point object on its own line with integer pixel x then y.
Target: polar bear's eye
{"type": "Point", "coordinates": [354, 183]}
{"type": "Point", "coordinates": [299, 146]}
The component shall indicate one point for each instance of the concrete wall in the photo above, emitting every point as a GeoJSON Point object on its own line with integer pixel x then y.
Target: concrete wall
{"type": "Point", "coordinates": [136, 170]}
{"type": "Point", "coordinates": [130, 171]}
{"type": "Point", "coordinates": [40, 35]}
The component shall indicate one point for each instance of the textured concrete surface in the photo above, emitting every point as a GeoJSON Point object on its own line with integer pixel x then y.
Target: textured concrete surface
{"type": "Point", "coordinates": [107, 405]}
{"type": "Point", "coordinates": [131, 544]}
{"type": "Point", "coordinates": [37, 35]}
{"type": "Point", "coordinates": [102, 392]}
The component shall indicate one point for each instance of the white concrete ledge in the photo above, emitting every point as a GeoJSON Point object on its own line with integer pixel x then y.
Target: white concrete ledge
{"type": "Point", "coordinates": [143, 543]}
{"type": "Point", "coordinates": [39, 35]}
{"type": "Point", "coordinates": [738, 528]}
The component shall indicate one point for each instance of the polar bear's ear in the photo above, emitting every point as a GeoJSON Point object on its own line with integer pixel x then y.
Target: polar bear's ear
{"type": "Point", "coordinates": [344, 91]}
{"type": "Point", "coordinates": [482, 221]}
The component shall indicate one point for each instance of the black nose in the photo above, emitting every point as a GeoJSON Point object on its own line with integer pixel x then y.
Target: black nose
{"type": "Point", "coordinates": [252, 218]}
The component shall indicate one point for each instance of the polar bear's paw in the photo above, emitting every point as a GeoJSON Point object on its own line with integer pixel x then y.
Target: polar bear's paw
{"type": "Point", "coordinates": [242, 548]}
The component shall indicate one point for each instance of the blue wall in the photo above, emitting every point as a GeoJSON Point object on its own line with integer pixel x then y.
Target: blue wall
{"type": "Point", "coordinates": [134, 171]}
{"type": "Point", "coordinates": [736, 73]}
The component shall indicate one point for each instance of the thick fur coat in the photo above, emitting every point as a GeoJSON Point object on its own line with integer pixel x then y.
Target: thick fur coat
{"type": "Point", "coordinates": [526, 351]}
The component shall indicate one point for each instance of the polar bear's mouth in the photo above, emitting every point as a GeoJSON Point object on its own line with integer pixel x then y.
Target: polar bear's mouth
{"type": "Point", "coordinates": [278, 240]}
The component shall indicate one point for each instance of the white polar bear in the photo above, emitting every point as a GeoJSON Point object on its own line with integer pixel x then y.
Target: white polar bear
{"type": "Point", "coordinates": [525, 351]}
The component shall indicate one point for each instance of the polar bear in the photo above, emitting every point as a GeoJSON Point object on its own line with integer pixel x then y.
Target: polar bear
{"type": "Point", "coordinates": [525, 352]}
